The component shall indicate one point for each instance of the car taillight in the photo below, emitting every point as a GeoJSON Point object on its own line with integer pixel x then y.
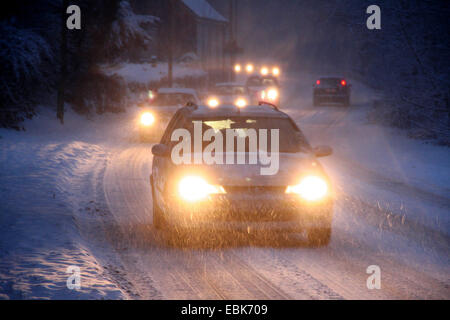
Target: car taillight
{"type": "Point", "coordinates": [318, 82]}
{"type": "Point", "coordinates": [343, 83]}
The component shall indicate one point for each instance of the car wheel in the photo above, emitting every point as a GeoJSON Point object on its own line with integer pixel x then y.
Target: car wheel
{"type": "Point", "coordinates": [347, 101]}
{"type": "Point", "coordinates": [319, 237]}
{"type": "Point", "coordinates": [315, 102]}
{"type": "Point", "coordinates": [158, 218]}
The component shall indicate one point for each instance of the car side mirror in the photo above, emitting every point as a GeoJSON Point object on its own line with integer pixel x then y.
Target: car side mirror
{"type": "Point", "coordinates": [322, 151]}
{"type": "Point", "coordinates": [160, 150]}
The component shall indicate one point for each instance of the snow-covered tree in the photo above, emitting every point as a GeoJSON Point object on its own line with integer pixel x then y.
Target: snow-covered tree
{"type": "Point", "coordinates": [22, 54]}
{"type": "Point", "coordinates": [128, 30]}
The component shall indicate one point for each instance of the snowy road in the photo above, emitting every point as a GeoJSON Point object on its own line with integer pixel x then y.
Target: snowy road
{"type": "Point", "coordinates": [259, 267]}
{"type": "Point", "coordinates": [384, 216]}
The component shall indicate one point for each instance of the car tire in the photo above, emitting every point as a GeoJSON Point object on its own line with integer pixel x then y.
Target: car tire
{"type": "Point", "coordinates": [315, 102]}
{"type": "Point", "coordinates": [346, 102]}
{"type": "Point", "coordinates": [158, 218]}
{"type": "Point", "coordinates": [319, 237]}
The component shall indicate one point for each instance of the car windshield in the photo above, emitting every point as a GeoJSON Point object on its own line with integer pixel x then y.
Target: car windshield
{"type": "Point", "coordinates": [330, 82]}
{"type": "Point", "coordinates": [269, 82]}
{"type": "Point", "coordinates": [291, 140]}
{"type": "Point", "coordinates": [230, 90]}
{"type": "Point", "coordinates": [172, 99]}
{"type": "Point", "coordinates": [254, 82]}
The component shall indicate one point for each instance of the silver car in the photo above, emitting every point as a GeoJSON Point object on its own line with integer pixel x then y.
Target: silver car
{"type": "Point", "coordinates": [221, 195]}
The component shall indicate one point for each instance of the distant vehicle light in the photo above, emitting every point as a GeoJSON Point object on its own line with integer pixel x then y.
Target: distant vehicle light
{"type": "Point", "coordinates": [343, 83]}
{"type": "Point", "coordinates": [241, 103]}
{"type": "Point", "coordinates": [213, 102]}
{"type": "Point", "coordinates": [237, 68]}
{"type": "Point", "coordinates": [272, 94]}
{"type": "Point", "coordinates": [249, 68]}
{"type": "Point", "coordinates": [318, 82]}
{"type": "Point", "coordinates": [263, 95]}
{"type": "Point", "coordinates": [311, 188]}
{"type": "Point", "coordinates": [147, 119]}
{"type": "Point", "coordinates": [276, 71]}
{"type": "Point", "coordinates": [193, 188]}
{"type": "Point", "coordinates": [264, 71]}
{"type": "Point", "coordinates": [151, 95]}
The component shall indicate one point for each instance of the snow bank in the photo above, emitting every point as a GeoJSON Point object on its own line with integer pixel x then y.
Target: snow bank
{"type": "Point", "coordinates": [145, 73]}
{"type": "Point", "coordinates": [41, 216]}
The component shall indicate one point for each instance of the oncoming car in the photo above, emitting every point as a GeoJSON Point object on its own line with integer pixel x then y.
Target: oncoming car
{"type": "Point", "coordinates": [231, 195]}
{"type": "Point", "coordinates": [331, 89]}
{"type": "Point", "coordinates": [159, 108]}
{"type": "Point", "coordinates": [264, 88]}
{"type": "Point", "coordinates": [229, 93]}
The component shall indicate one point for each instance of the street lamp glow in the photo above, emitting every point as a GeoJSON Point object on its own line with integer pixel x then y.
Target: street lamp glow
{"type": "Point", "coordinates": [237, 68]}
{"type": "Point", "coordinates": [249, 67]}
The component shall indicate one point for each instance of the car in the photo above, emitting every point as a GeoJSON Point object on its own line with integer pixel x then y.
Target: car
{"type": "Point", "coordinates": [229, 93]}
{"type": "Point", "coordinates": [159, 107]}
{"type": "Point", "coordinates": [192, 196]}
{"type": "Point", "coordinates": [264, 88]}
{"type": "Point", "coordinates": [331, 89]}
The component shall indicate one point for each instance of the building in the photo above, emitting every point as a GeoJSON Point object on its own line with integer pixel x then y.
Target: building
{"type": "Point", "coordinates": [200, 32]}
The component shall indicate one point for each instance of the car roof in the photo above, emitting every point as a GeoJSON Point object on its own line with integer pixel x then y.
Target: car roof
{"type": "Point", "coordinates": [331, 77]}
{"type": "Point", "coordinates": [230, 84]}
{"type": "Point", "coordinates": [262, 111]}
{"type": "Point", "coordinates": [177, 90]}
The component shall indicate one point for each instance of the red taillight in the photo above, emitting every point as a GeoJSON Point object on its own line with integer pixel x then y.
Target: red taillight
{"type": "Point", "coordinates": [343, 83]}
{"type": "Point", "coordinates": [318, 82]}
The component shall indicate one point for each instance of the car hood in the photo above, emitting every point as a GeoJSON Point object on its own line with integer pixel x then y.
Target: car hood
{"type": "Point", "coordinates": [292, 166]}
{"type": "Point", "coordinates": [163, 109]}
{"type": "Point", "coordinates": [224, 99]}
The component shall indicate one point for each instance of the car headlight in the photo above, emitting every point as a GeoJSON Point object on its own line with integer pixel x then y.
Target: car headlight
{"type": "Point", "coordinates": [272, 94]}
{"type": "Point", "coordinates": [276, 71]}
{"type": "Point", "coordinates": [194, 188]}
{"type": "Point", "coordinates": [264, 71]}
{"type": "Point", "coordinates": [241, 103]}
{"type": "Point", "coordinates": [213, 102]}
{"type": "Point", "coordinates": [249, 68]}
{"type": "Point", "coordinates": [310, 188]}
{"type": "Point", "coordinates": [147, 119]}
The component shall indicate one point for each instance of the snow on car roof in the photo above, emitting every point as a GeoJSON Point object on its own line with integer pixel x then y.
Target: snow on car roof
{"type": "Point", "coordinates": [331, 77]}
{"type": "Point", "coordinates": [177, 90]}
{"type": "Point", "coordinates": [230, 84]}
{"type": "Point", "coordinates": [233, 111]}
{"type": "Point", "coordinates": [204, 10]}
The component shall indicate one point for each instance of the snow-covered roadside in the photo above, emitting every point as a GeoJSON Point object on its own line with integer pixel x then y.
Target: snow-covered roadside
{"type": "Point", "coordinates": [47, 192]}
{"type": "Point", "coordinates": [145, 72]}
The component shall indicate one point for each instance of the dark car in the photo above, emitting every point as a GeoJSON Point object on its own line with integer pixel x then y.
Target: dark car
{"type": "Point", "coordinates": [195, 196]}
{"type": "Point", "coordinates": [331, 89]}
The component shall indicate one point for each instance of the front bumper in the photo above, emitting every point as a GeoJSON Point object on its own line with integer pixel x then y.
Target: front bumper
{"type": "Point", "coordinates": [249, 211]}
{"type": "Point", "coordinates": [331, 97]}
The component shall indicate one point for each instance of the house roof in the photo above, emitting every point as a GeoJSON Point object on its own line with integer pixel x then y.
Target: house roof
{"type": "Point", "coordinates": [204, 10]}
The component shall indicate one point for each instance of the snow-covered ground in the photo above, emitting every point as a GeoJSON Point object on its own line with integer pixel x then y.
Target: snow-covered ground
{"type": "Point", "coordinates": [143, 73]}
{"type": "Point", "coordinates": [79, 195]}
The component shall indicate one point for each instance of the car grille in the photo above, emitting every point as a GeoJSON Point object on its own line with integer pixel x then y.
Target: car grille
{"type": "Point", "coordinates": [255, 190]}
